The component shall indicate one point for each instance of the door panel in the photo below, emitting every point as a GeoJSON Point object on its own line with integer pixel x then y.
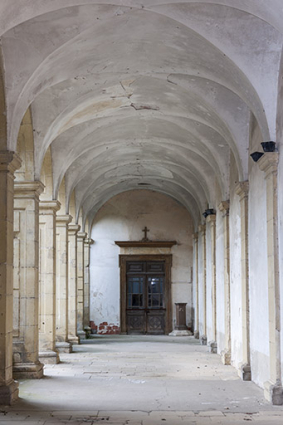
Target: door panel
{"type": "Point", "coordinates": [145, 297]}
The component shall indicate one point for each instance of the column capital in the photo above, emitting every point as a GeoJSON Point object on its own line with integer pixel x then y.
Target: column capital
{"type": "Point", "coordinates": [195, 237]}
{"type": "Point", "coordinates": [63, 220]}
{"type": "Point", "coordinates": [211, 218]}
{"type": "Point", "coordinates": [24, 189]}
{"type": "Point", "coordinates": [88, 241]}
{"type": "Point", "coordinates": [201, 229]}
{"type": "Point", "coordinates": [242, 189]}
{"type": "Point", "coordinates": [73, 229]}
{"type": "Point", "coordinates": [224, 207]}
{"type": "Point", "coordinates": [269, 163]}
{"type": "Point", "coordinates": [49, 207]}
{"type": "Point", "coordinates": [81, 235]}
{"type": "Point", "coordinates": [9, 161]}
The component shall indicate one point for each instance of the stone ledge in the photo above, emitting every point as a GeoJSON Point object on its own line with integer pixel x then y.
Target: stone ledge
{"type": "Point", "coordinates": [28, 370]}
{"type": "Point", "coordinates": [9, 394]}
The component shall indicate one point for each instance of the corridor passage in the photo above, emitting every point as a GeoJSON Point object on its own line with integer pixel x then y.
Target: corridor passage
{"type": "Point", "coordinates": [140, 380]}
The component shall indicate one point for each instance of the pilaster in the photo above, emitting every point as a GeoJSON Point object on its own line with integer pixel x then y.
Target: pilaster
{"type": "Point", "coordinates": [80, 284]}
{"type": "Point", "coordinates": [211, 226]}
{"type": "Point", "coordinates": [226, 353]}
{"type": "Point", "coordinates": [72, 283]}
{"type": "Point", "coordinates": [196, 321]}
{"type": "Point", "coordinates": [62, 343]}
{"type": "Point", "coordinates": [242, 190]}
{"type": "Point", "coordinates": [202, 236]}
{"type": "Point", "coordinates": [26, 364]}
{"type": "Point", "coordinates": [47, 286]}
{"type": "Point", "coordinates": [87, 243]}
{"type": "Point", "coordinates": [9, 163]}
{"type": "Point", "coordinates": [273, 390]}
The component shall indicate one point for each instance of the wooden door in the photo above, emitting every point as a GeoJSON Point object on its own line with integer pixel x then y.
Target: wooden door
{"type": "Point", "coordinates": [145, 292]}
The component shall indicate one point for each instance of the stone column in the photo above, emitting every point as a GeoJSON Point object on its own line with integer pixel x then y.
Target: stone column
{"type": "Point", "coordinates": [226, 353]}
{"type": "Point", "coordinates": [273, 388]}
{"type": "Point", "coordinates": [72, 283]}
{"type": "Point", "coordinates": [80, 284]}
{"type": "Point", "coordinates": [196, 324]}
{"type": "Point", "coordinates": [47, 281]}
{"type": "Point", "coordinates": [26, 234]}
{"type": "Point", "coordinates": [87, 243]}
{"type": "Point", "coordinates": [211, 221]}
{"type": "Point", "coordinates": [242, 189]}
{"type": "Point", "coordinates": [62, 344]}
{"type": "Point", "coordinates": [202, 236]}
{"type": "Point", "coordinates": [9, 163]}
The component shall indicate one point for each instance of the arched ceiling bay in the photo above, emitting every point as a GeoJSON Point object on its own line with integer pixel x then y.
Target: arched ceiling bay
{"type": "Point", "coordinates": [129, 93]}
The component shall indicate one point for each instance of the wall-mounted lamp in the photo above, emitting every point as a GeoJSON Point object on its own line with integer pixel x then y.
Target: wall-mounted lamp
{"type": "Point", "coordinates": [209, 211]}
{"type": "Point", "coordinates": [268, 146]}
{"type": "Point", "coordinates": [256, 155]}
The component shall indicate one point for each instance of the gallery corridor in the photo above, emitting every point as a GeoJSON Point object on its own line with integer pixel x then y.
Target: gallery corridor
{"type": "Point", "coordinates": [140, 380]}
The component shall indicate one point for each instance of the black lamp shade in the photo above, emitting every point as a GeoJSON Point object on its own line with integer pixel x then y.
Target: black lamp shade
{"type": "Point", "coordinates": [256, 155]}
{"type": "Point", "coordinates": [268, 146]}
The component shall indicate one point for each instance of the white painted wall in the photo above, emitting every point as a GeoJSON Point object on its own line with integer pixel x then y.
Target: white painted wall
{"type": "Point", "coordinates": [122, 218]}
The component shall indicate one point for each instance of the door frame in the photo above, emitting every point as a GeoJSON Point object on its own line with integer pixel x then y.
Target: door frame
{"type": "Point", "coordinates": [167, 258]}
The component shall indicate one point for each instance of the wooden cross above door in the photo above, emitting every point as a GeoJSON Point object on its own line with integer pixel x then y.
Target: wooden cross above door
{"type": "Point", "coordinates": [145, 230]}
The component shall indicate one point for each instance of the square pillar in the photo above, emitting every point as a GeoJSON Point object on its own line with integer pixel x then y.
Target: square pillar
{"type": "Point", "coordinates": [72, 283]}
{"type": "Point", "coordinates": [47, 284]}
{"type": "Point", "coordinates": [273, 390]}
{"type": "Point", "coordinates": [62, 343]}
{"type": "Point", "coordinates": [226, 353]}
{"type": "Point", "coordinates": [211, 226]}
{"type": "Point", "coordinates": [242, 190]}
{"type": "Point", "coordinates": [87, 243]}
{"type": "Point", "coordinates": [80, 284]}
{"type": "Point", "coordinates": [9, 163]}
{"type": "Point", "coordinates": [26, 276]}
{"type": "Point", "coordinates": [196, 288]}
{"type": "Point", "coordinates": [202, 236]}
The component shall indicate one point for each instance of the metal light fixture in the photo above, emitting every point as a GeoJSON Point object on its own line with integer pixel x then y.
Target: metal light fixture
{"type": "Point", "coordinates": [209, 211]}
{"type": "Point", "coordinates": [256, 156]}
{"type": "Point", "coordinates": [268, 146]}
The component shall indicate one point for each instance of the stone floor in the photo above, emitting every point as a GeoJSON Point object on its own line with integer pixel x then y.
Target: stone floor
{"type": "Point", "coordinates": [140, 380]}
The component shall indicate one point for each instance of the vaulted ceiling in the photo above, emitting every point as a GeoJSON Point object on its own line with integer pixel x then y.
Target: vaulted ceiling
{"type": "Point", "coordinates": [142, 94]}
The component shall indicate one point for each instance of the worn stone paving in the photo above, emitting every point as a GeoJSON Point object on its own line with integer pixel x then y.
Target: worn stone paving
{"type": "Point", "coordinates": [130, 380]}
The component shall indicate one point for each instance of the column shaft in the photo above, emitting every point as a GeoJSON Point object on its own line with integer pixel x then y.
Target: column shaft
{"type": "Point", "coordinates": [202, 231]}
{"type": "Point", "coordinates": [80, 284]}
{"type": "Point", "coordinates": [72, 283]}
{"type": "Point", "coordinates": [273, 388]}
{"type": "Point", "coordinates": [47, 285]}
{"type": "Point", "coordinates": [9, 162]}
{"type": "Point", "coordinates": [242, 189]}
{"type": "Point", "coordinates": [211, 222]}
{"type": "Point", "coordinates": [226, 353]}
{"type": "Point", "coordinates": [62, 344]}
{"type": "Point", "coordinates": [196, 286]}
{"type": "Point", "coordinates": [87, 243]}
{"type": "Point", "coordinates": [26, 234]}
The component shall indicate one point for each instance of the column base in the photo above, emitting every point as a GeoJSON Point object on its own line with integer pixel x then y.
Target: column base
{"type": "Point", "coordinates": [245, 372]}
{"type": "Point", "coordinates": [81, 335]}
{"type": "Point", "coordinates": [9, 394]}
{"type": "Point", "coordinates": [226, 357]}
{"type": "Point", "coordinates": [212, 347]}
{"type": "Point", "coordinates": [28, 370]}
{"type": "Point", "coordinates": [203, 340]}
{"type": "Point", "coordinates": [74, 340]}
{"type": "Point", "coordinates": [49, 357]}
{"type": "Point", "coordinates": [273, 393]}
{"type": "Point", "coordinates": [177, 332]}
{"type": "Point", "coordinates": [196, 334]}
{"type": "Point", "coordinates": [63, 347]}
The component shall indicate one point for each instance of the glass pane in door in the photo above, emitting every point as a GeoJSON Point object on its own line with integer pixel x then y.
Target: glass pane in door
{"type": "Point", "coordinates": [155, 296]}
{"type": "Point", "coordinates": [135, 292]}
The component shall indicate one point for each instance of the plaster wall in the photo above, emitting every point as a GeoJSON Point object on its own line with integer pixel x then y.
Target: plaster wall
{"type": "Point", "coordinates": [123, 218]}
{"type": "Point", "coordinates": [258, 268]}
{"type": "Point", "coordinates": [235, 269]}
